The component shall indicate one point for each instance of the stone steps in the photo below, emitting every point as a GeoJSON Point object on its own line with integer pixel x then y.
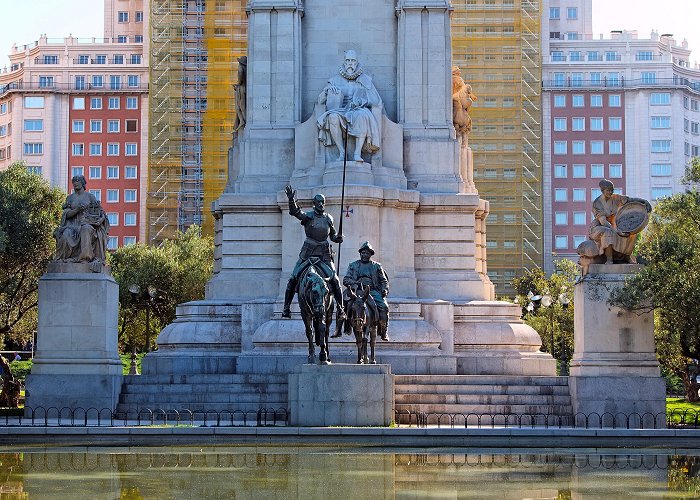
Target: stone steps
{"type": "Point", "coordinates": [482, 395]}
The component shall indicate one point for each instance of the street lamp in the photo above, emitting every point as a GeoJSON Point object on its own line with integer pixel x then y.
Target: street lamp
{"type": "Point", "coordinates": [147, 297]}
{"type": "Point", "coordinates": [546, 300]}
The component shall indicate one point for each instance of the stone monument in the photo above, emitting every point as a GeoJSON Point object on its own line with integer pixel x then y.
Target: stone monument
{"type": "Point", "coordinates": [377, 76]}
{"type": "Point", "coordinates": [77, 363]}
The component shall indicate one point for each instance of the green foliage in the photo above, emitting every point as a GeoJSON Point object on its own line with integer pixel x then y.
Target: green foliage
{"type": "Point", "coordinates": [126, 362]}
{"type": "Point", "coordinates": [179, 270]}
{"type": "Point", "coordinates": [30, 211]}
{"type": "Point", "coordinates": [670, 282]}
{"type": "Point", "coordinates": [20, 369]}
{"type": "Point", "coordinates": [555, 324]}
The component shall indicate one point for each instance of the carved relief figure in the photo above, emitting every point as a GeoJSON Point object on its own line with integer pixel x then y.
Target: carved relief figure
{"type": "Point", "coordinates": [612, 237]}
{"type": "Point", "coordinates": [240, 91]}
{"type": "Point", "coordinates": [349, 98]}
{"type": "Point", "coordinates": [319, 228]}
{"type": "Point", "coordinates": [462, 99]}
{"type": "Point", "coordinates": [82, 235]}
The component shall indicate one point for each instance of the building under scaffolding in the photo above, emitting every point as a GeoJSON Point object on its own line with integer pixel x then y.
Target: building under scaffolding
{"type": "Point", "coordinates": [496, 43]}
{"type": "Point", "coordinates": [195, 45]}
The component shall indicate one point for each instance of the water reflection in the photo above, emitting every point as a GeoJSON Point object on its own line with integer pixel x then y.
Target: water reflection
{"type": "Point", "coordinates": [310, 473]}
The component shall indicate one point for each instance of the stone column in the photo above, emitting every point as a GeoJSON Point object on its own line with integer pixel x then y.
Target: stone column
{"type": "Point", "coordinates": [614, 369]}
{"type": "Point", "coordinates": [77, 363]}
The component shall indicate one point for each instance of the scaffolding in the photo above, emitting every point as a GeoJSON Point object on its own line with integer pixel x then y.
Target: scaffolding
{"type": "Point", "coordinates": [496, 44]}
{"type": "Point", "coordinates": [195, 45]}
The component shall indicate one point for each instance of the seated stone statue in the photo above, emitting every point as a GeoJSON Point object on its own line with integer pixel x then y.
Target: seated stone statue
{"type": "Point", "coordinates": [349, 98]}
{"type": "Point", "coordinates": [608, 244]}
{"type": "Point", "coordinates": [82, 235]}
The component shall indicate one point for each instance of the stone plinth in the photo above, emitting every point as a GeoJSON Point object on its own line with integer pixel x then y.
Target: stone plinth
{"type": "Point", "coordinates": [614, 368]}
{"type": "Point", "coordinates": [341, 394]}
{"type": "Point", "coordinates": [77, 363]}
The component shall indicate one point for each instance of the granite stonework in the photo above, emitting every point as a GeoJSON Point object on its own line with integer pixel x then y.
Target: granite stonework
{"type": "Point", "coordinates": [413, 198]}
{"type": "Point", "coordinates": [341, 394]}
{"type": "Point", "coordinates": [614, 367]}
{"type": "Point", "coordinates": [77, 363]}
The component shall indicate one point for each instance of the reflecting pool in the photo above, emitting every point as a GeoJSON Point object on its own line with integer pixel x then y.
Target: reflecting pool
{"type": "Point", "coordinates": [345, 473]}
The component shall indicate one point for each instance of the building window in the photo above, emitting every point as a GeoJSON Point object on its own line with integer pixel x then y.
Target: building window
{"type": "Point", "coordinates": [139, 16]}
{"type": "Point", "coordinates": [660, 122]}
{"type": "Point", "coordinates": [115, 82]}
{"type": "Point", "coordinates": [596, 79]}
{"type": "Point", "coordinates": [130, 219]}
{"type": "Point", "coordinates": [560, 171]}
{"type": "Point", "coordinates": [554, 12]}
{"type": "Point", "coordinates": [597, 148]}
{"type": "Point", "coordinates": [695, 128]}
{"type": "Point", "coordinates": [101, 59]}
{"type": "Point", "coordinates": [113, 149]}
{"type": "Point", "coordinates": [580, 219]}
{"type": "Point", "coordinates": [577, 100]}
{"type": "Point", "coordinates": [615, 171]}
{"type": "Point", "coordinates": [45, 82]}
{"type": "Point", "coordinates": [597, 171]}
{"type": "Point", "coordinates": [614, 100]}
{"type": "Point", "coordinates": [661, 192]}
{"type": "Point", "coordinates": [578, 239]}
{"type": "Point", "coordinates": [129, 195]}
{"type": "Point", "coordinates": [97, 193]}
{"type": "Point", "coordinates": [561, 218]}
{"type": "Point", "coordinates": [33, 148]}
{"type": "Point", "coordinates": [577, 79]}
{"type": "Point", "coordinates": [648, 77]}
{"type": "Point", "coordinates": [135, 58]}
{"type": "Point", "coordinates": [80, 82]}
{"type": "Point", "coordinates": [561, 242]}
{"type": "Point", "coordinates": [138, 38]}
{"type": "Point", "coordinates": [130, 172]}
{"type": "Point", "coordinates": [131, 125]}
{"type": "Point", "coordinates": [615, 123]}
{"type": "Point", "coordinates": [613, 79]}
{"type": "Point", "coordinates": [78, 149]}
{"type": "Point", "coordinates": [596, 101]}
{"type": "Point", "coordinates": [33, 102]}
{"type": "Point", "coordinates": [559, 80]}
{"type": "Point", "coordinates": [594, 55]}
{"type": "Point", "coordinates": [661, 146]}
{"type": "Point", "coordinates": [112, 242]}
{"type": "Point", "coordinates": [112, 126]}
{"type": "Point", "coordinates": [645, 55]}
{"type": "Point", "coordinates": [113, 172]}
{"type": "Point", "coordinates": [132, 103]}
{"type": "Point", "coordinates": [3, 131]}
{"type": "Point", "coordinates": [557, 56]}
{"type": "Point", "coordinates": [660, 98]}
{"type": "Point", "coordinates": [560, 147]}
{"type": "Point", "coordinates": [612, 56]}
{"type": "Point", "coordinates": [597, 124]}
{"type": "Point", "coordinates": [83, 59]}
{"type": "Point", "coordinates": [579, 194]}
{"type": "Point", "coordinates": [132, 80]}
{"type": "Point", "coordinates": [113, 218]}
{"type": "Point", "coordinates": [578, 171]}
{"type": "Point", "coordinates": [95, 103]}
{"type": "Point", "coordinates": [113, 103]}
{"type": "Point", "coordinates": [575, 55]}
{"type": "Point", "coordinates": [572, 13]}
{"type": "Point", "coordinates": [97, 81]}
{"type": "Point", "coordinates": [123, 17]}
{"type": "Point", "coordinates": [3, 108]}
{"type": "Point", "coordinates": [693, 105]}
{"type": "Point", "coordinates": [578, 147]}
{"type": "Point", "coordinates": [119, 58]}
{"type": "Point", "coordinates": [77, 171]}
{"type": "Point", "coordinates": [96, 126]}
{"type": "Point", "coordinates": [578, 124]}
{"type": "Point", "coordinates": [560, 194]}
{"type": "Point", "coordinates": [95, 172]}
{"type": "Point", "coordinates": [34, 125]}
{"type": "Point", "coordinates": [129, 240]}
{"type": "Point", "coordinates": [112, 196]}
{"type": "Point", "coordinates": [660, 169]}
{"type": "Point", "coordinates": [131, 149]}
{"type": "Point", "coordinates": [32, 169]}
{"type": "Point", "coordinates": [560, 101]}
{"type": "Point", "coordinates": [96, 149]}
{"type": "Point", "coordinates": [560, 124]}
{"type": "Point", "coordinates": [615, 147]}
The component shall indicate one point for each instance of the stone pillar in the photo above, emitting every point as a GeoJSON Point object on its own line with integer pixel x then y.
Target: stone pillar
{"type": "Point", "coordinates": [77, 363]}
{"type": "Point", "coordinates": [614, 369]}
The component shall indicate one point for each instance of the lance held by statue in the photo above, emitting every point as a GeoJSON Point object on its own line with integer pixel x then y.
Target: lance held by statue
{"type": "Point", "coordinates": [319, 228]}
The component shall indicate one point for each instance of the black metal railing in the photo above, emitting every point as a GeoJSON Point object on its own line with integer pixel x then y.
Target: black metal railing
{"type": "Point", "coordinates": [65, 87]}
{"type": "Point", "coordinates": [94, 417]}
{"type": "Point", "coordinates": [570, 82]}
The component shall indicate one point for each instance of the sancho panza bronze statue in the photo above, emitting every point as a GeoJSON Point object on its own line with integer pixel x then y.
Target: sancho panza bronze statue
{"type": "Point", "coordinates": [366, 272]}
{"type": "Point", "coordinates": [319, 228]}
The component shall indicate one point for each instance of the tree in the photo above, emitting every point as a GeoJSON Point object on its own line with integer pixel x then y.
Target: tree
{"type": "Point", "coordinates": [177, 271]}
{"type": "Point", "coordinates": [554, 323]}
{"type": "Point", "coordinates": [670, 281]}
{"type": "Point", "coordinates": [30, 211]}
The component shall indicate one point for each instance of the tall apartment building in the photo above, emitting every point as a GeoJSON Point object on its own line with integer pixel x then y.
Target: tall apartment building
{"type": "Point", "coordinates": [195, 45]}
{"type": "Point", "coordinates": [73, 106]}
{"type": "Point", "coordinates": [621, 108]}
{"type": "Point", "coordinates": [497, 45]}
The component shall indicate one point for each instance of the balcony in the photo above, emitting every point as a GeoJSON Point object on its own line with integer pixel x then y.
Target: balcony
{"type": "Point", "coordinates": [621, 83]}
{"type": "Point", "coordinates": [69, 88]}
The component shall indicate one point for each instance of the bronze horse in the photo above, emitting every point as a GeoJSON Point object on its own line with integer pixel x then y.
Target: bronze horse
{"type": "Point", "coordinates": [316, 304]}
{"type": "Point", "coordinates": [363, 320]}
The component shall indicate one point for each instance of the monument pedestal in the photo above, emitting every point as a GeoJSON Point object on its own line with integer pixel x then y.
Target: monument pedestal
{"type": "Point", "coordinates": [614, 369]}
{"type": "Point", "coordinates": [77, 363]}
{"type": "Point", "coordinates": [341, 394]}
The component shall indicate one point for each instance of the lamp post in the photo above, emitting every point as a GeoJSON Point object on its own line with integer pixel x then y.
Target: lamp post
{"type": "Point", "coordinates": [147, 297]}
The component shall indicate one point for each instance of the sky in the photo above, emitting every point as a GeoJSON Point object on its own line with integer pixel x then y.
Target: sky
{"type": "Point", "coordinates": [25, 20]}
